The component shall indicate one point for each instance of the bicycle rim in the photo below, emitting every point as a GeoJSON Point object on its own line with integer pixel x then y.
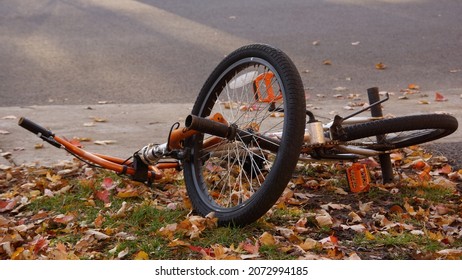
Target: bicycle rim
{"type": "Point", "coordinates": [399, 132]}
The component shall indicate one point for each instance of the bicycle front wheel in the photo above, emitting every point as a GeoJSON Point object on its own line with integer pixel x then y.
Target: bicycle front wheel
{"type": "Point", "coordinates": [399, 132]}
{"type": "Point", "coordinates": [258, 90]}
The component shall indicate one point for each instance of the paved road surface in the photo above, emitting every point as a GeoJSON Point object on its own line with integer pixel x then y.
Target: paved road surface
{"type": "Point", "coordinates": [84, 51]}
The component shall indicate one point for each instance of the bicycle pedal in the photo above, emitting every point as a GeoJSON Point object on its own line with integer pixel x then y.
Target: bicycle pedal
{"type": "Point", "coordinates": [358, 178]}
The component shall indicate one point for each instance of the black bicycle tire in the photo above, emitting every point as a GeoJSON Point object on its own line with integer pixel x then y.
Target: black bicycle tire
{"type": "Point", "coordinates": [423, 128]}
{"type": "Point", "coordinates": [288, 152]}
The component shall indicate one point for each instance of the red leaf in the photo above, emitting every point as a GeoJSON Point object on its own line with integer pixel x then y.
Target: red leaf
{"type": "Point", "coordinates": [249, 247]}
{"type": "Point", "coordinates": [108, 184]}
{"type": "Point", "coordinates": [199, 249]}
{"type": "Point", "coordinates": [76, 143]}
{"type": "Point", "coordinates": [63, 219]}
{"type": "Point", "coordinates": [333, 239]}
{"type": "Point", "coordinates": [103, 195]}
{"type": "Point", "coordinates": [41, 244]}
{"type": "Point", "coordinates": [7, 205]}
{"type": "Point", "coordinates": [439, 97]}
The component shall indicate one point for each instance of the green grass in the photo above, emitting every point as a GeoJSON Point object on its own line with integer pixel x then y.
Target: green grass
{"type": "Point", "coordinates": [272, 252]}
{"type": "Point", "coordinates": [405, 239]}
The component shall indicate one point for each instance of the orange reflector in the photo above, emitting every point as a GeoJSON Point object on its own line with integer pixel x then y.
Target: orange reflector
{"type": "Point", "coordinates": [358, 177]}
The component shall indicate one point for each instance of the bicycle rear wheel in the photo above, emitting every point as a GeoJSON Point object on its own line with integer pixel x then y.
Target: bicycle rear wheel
{"type": "Point", "coordinates": [400, 132]}
{"type": "Point", "coordinates": [258, 89]}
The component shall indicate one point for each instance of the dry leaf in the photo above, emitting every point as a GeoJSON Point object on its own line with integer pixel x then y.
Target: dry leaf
{"type": "Point", "coordinates": [98, 222]}
{"type": "Point", "coordinates": [439, 97]}
{"type": "Point", "coordinates": [123, 253]}
{"type": "Point", "coordinates": [141, 255]}
{"type": "Point", "coordinates": [10, 117]}
{"type": "Point", "coordinates": [98, 235]}
{"type": "Point", "coordinates": [380, 66]}
{"type": "Point", "coordinates": [355, 218]}
{"type": "Point", "coordinates": [105, 142]}
{"type": "Point", "coordinates": [413, 87]}
{"type": "Point", "coordinates": [96, 119]}
{"type": "Point", "coordinates": [324, 220]}
{"type": "Point", "coordinates": [365, 207]}
{"type": "Point", "coordinates": [309, 244]}
{"type": "Point", "coordinates": [38, 146]}
{"type": "Point", "coordinates": [63, 219]}
{"type": "Point", "coordinates": [267, 239]}
{"type": "Point", "coordinates": [103, 195]}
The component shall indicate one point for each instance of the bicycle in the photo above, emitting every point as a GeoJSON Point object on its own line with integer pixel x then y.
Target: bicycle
{"type": "Point", "coordinates": [248, 128]}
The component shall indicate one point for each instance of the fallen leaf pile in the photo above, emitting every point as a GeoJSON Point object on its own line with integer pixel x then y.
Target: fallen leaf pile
{"type": "Point", "coordinates": [72, 211]}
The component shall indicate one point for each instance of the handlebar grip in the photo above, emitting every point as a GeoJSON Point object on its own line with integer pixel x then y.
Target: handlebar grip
{"type": "Point", "coordinates": [204, 125]}
{"type": "Point", "coordinates": [34, 128]}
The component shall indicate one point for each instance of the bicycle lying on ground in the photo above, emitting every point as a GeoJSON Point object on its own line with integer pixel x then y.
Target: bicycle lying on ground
{"type": "Point", "coordinates": [248, 129]}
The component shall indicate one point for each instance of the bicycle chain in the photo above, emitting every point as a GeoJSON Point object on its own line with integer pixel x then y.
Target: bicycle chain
{"type": "Point", "coordinates": [327, 144]}
{"type": "Point", "coordinates": [332, 143]}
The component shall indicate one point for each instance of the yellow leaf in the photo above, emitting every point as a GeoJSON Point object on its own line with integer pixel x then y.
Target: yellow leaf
{"type": "Point", "coordinates": [177, 243]}
{"type": "Point", "coordinates": [38, 146]}
{"type": "Point", "coordinates": [267, 239]}
{"type": "Point", "coordinates": [309, 244]}
{"type": "Point", "coordinates": [17, 254]}
{"type": "Point", "coordinates": [141, 255]}
{"type": "Point", "coordinates": [435, 236]}
{"type": "Point", "coordinates": [53, 178]}
{"type": "Point", "coordinates": [369, 235]}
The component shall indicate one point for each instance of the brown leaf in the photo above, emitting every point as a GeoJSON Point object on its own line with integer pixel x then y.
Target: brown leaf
{"type": "Point", "coordinates": [98, 222]}
{"type": "Point", "coordinates": [355, 218]}
{"type": "Point", "coordinates": [380, 66]}
{"type": "Point", "coordinates": [300, 225]}
{"type": "Point", "coordinates": [53, 178]}
{"type": "Point", "coordinates": [365, 207]}
{"type": "Point", "coordinates": [324, 220]}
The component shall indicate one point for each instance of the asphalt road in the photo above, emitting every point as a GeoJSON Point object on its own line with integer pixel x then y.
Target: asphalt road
{"type": "Point", "coordinates": [85, 51]}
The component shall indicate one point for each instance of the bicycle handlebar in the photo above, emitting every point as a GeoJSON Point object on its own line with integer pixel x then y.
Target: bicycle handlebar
{"type": "Point", "coordinates": [204, 125]}
{"type": "Point", "coordinates": [34, 128]}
